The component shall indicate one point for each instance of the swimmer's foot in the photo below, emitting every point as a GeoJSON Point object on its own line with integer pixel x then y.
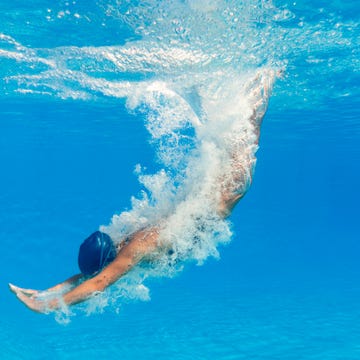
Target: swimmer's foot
{"type": "Point", "coordinates": [259, 90]}
{"type": "Point", "coordinates": [259, 87]}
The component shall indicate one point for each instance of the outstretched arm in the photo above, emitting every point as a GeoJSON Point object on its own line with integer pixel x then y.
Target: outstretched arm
{"type": "Point", "coordinates": [66, 284]}
{"type": "Point", "coordinates": [141, 244]}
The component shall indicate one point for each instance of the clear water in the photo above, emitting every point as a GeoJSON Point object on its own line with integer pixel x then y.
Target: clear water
{"type": "Point", "coordinates": [89, 90]}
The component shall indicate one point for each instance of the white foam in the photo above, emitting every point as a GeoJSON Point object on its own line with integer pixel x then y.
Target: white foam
{"type": "Point", "coordinates": [182, 199]}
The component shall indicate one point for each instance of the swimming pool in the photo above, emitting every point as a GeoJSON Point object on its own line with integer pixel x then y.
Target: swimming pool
{"type": "Point", "coordinates": [74, 124]}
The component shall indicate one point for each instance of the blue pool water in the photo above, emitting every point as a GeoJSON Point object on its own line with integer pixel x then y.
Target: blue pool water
{"type": "Point", "coordinates": [91, 89]}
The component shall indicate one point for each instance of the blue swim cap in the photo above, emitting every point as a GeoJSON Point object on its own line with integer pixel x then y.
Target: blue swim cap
{"type": "Point", "coordinates": [96, 252]}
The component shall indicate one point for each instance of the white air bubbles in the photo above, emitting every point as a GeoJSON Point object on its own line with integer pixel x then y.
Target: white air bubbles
{"type": "Point", "coordinates": [284, 15]}
{"type": "Point", "coordinates": [181, 201]}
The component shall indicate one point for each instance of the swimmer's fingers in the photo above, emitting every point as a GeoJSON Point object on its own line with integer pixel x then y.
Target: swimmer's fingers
{"type": "Point", "coordinates": [14, 288]}
{"type": "Point", "coordinates": [29, 292]}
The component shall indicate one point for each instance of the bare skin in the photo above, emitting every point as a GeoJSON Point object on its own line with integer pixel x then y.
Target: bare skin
{"type": "Point", "coordinates": [141, 244]}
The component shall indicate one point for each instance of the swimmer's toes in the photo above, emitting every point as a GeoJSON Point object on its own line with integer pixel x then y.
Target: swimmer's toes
{"type": "Point", "coordinates": [253, 83]}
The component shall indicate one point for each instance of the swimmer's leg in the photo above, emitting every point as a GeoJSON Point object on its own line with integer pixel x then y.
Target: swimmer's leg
{"type": "Point", "coordinates": [259, 91]}
{"type": "Point", "coordinates": [235, 185]}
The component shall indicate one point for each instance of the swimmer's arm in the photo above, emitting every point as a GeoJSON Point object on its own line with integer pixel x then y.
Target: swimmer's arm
{"type": "Point", "coordinates": [141, 244]}
{"type": "Point", "coordinates": [70, 282]}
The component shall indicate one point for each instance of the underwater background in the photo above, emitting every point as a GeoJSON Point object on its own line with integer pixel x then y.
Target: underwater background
{"type": "Point", "coordinates": [89, 90]}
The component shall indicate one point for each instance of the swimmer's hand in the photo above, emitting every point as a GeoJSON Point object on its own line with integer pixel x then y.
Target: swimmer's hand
{"type": "Point", "coordinates": [28, 292]}
{"type": "Point", "coordinates": [30, 299]}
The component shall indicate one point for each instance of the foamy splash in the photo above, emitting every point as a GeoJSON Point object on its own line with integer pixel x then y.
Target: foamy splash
{"type": "Point", "coordinates": [200, 151]}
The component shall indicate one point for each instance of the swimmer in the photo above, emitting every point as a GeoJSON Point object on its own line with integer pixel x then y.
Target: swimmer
{"type": "Point", "coordinates": [102, 264]}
